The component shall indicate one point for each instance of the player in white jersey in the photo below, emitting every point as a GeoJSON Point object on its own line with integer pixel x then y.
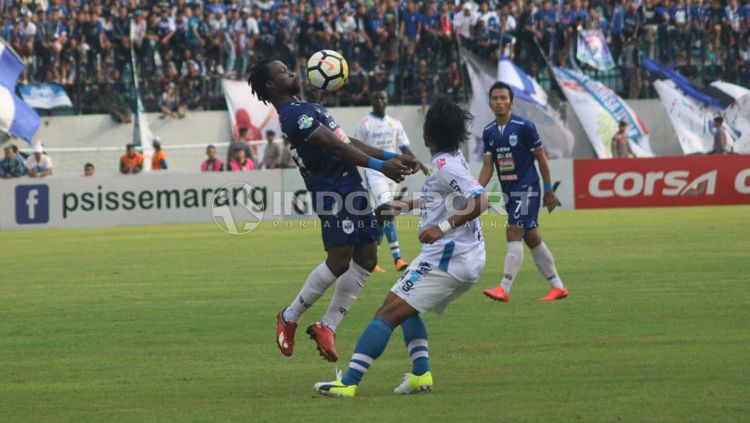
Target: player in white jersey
{"type": "Point", "coordinates": [386, 133]}
{"type": "Point", "coordinates": [451, 260]}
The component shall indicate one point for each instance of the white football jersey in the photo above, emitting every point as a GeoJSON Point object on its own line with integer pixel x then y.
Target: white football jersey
{"type": "Point", "coordinates": [461, 251]}
{"type": "Point", "coordinates": [386, 133]}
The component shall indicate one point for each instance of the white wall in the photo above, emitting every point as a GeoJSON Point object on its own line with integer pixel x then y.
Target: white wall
{"type": "Point", "coordinates": [199, 129]}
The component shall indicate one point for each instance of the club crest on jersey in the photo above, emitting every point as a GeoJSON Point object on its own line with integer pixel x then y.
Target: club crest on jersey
{"type": "Point", "coordinates": [441, 163]}
{"type": "Point", "coordinates": [304, 122]}
{"type": "Point", "coordinates": [513, 139]}
{"type": "Point", "coordinates": [347, 226]}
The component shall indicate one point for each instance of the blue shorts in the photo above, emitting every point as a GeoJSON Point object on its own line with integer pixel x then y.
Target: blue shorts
{"type": "Point", "coordinates": [523, 206]}
{"type": "Point", "coordinates": [354, 223]}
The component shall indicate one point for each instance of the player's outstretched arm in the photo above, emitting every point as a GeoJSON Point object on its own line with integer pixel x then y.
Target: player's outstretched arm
{"type": "Point", "coordinates": [487, 170]}
{"type": "Point", "coordinates": [409, 161]}
{"type": "Point", "coordinates": [550, 201]}
{"type": "Point", "coordinates": [407, 152]}
{"type": "Point", "coordinates": [474, 207]}
{"type": "Point", "coordinates": [396, 168]}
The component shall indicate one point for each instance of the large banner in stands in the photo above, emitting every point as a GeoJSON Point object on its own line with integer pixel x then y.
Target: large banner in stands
{"type": "Point", "coordinates": [235, 201]}
{"type": "Point", "coordinates": [599, 109]}
{"type": "Point", "coordinates": [693, 121]}
{"type": "Point", "coordinates": [737, 115]}
{"type": "Point", "coordinates": [593, 50]}
{"type": "Point", "coordinates": [45, 96]}
{"type": "Point", "coordinates": [246, 111]}
{"type": "Point", "coordinates": [664, 181]}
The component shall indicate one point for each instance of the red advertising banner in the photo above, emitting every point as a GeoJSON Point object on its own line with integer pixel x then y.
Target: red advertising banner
{"type": "Point", "coordinates": [662, 181]}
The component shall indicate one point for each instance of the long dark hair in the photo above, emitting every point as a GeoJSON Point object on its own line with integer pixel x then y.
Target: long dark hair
{"type": "Point", "coordinates": [446, 124]}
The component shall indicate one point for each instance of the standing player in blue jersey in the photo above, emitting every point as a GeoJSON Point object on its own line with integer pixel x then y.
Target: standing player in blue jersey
{"type": "Point", "coordinates": [511, 144]}
{"type": "Point", "coordinates": [449, 264]}
{"type": "Point", "coordinates": [327, 160]}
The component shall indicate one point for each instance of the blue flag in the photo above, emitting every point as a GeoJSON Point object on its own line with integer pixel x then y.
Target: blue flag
{"type": "Point", "coordinates": [10, 67]}
{"type": "Point", "coordinates": [16, 117]}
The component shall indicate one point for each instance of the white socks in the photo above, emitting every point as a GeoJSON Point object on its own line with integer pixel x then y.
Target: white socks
{"type": "Point", "coordinates": [347, 288]}
{"type": "Point", "coordinates": [513, 261]}
{"type": "Point", "coordinates": [316, 284]}
{"type": "Point", "coordinates": [546, 265]}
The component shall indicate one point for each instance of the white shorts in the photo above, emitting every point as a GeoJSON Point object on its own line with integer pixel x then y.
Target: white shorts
{"type": "Point", "coordinates": [382, 189]}
{"type": "Point", "coordinates": [427, 288]}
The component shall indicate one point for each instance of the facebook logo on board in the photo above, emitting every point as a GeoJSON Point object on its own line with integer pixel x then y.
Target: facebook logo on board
{"type": "Point", "coordinates": [32, 204]}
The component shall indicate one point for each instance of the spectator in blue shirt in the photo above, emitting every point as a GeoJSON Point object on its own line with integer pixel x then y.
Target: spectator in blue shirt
{"type": "Point", "coordinates": [665, 30]}
{"type": "Point", "coordinates": [733, 18]}
{"type": "Point", "coordinates": [411, 26]}
{"type": "Point", "coordinates": [631, 22]}
{"type": "Point", "coordinates": [11, 166]}
{"type": "Point", "coordinates": [679, 14]}
{"type": "Point", "coordinates": [215, 6]}
{"type": "Point", "coordinates": [196, 32]}
{"type": "Point", "coordinates": [618, 22]}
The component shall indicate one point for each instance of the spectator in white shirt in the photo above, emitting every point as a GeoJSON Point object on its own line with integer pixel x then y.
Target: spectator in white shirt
{"type": "Point", "coordinates": [28, 27]}
{"type": "Point", "coordinates": [464, 21]}
{"type": "Point", "coordinates": [139, 29]}
{"type": "Point", "coordinates": [38, 165]}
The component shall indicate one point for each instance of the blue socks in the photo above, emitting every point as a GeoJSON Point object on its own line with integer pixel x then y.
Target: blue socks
{"type": "Point", "coordinates": [371, 344]}
{"type": "Point", "coordinates": [373, 341]}
{"type": "Point", "coordinates": [415, 338]}
{"type": "Point", "coordinates": [389, 228]}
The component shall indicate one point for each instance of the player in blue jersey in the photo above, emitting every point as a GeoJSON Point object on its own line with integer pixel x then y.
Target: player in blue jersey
{"type": "Point", "coordinates": [327, 160]}
{"type": "Point", "coordinates": [511, 144]}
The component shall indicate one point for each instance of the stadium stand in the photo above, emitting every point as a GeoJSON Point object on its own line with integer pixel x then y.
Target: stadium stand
{"type": "Point", "coordinates": [409, 48]}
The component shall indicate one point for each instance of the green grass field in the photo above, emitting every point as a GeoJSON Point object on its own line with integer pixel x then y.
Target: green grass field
{"type": "Point", "coordinates": [176, 323]}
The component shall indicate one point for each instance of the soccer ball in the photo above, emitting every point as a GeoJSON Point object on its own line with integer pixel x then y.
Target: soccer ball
{"type": "Point", "coordinates": [327, 70]}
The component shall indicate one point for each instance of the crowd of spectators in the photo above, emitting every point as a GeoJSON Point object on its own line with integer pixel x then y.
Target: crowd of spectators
{"type": "Point", "coordinates": [408, 48]}
{"type": "Point", "coordinates": [15, 164]}
{"type": "Point", "coordinates": [703, 41]}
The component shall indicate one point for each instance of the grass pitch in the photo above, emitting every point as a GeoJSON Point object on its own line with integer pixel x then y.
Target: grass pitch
{"type": "Point", "coordinates": [176, 323]}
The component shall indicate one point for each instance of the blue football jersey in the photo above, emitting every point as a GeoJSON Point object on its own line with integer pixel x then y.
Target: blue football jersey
{"type": "Point", "coordinates": [321, 169]}
{"type": "Point", "coordinates": [511, 148]}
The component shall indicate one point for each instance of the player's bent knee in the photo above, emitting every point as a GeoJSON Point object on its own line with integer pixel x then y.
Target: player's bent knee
{"type": "Point", "coordinates": [338, 262]}
{"type": "Point", "coordinates": [513, 233]}
{"type": "Point", "coordinates": [533, 238]}
{"type": "Point", "coordinates": [367, 263]}
{"type": "Point", "coordinates": [395, 310]}
{"type": "Point", "coordinates": [366, 256]}
{"type": "Point", "coordinates": [338, 268]}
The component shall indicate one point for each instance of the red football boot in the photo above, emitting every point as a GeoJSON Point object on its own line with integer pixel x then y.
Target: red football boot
{"type": "Point", "coordinates": [325, 340]}
{"type": "Point", "coordinates": [285, 334]}
{"type": "Point", "coordinates": [555, 294]}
